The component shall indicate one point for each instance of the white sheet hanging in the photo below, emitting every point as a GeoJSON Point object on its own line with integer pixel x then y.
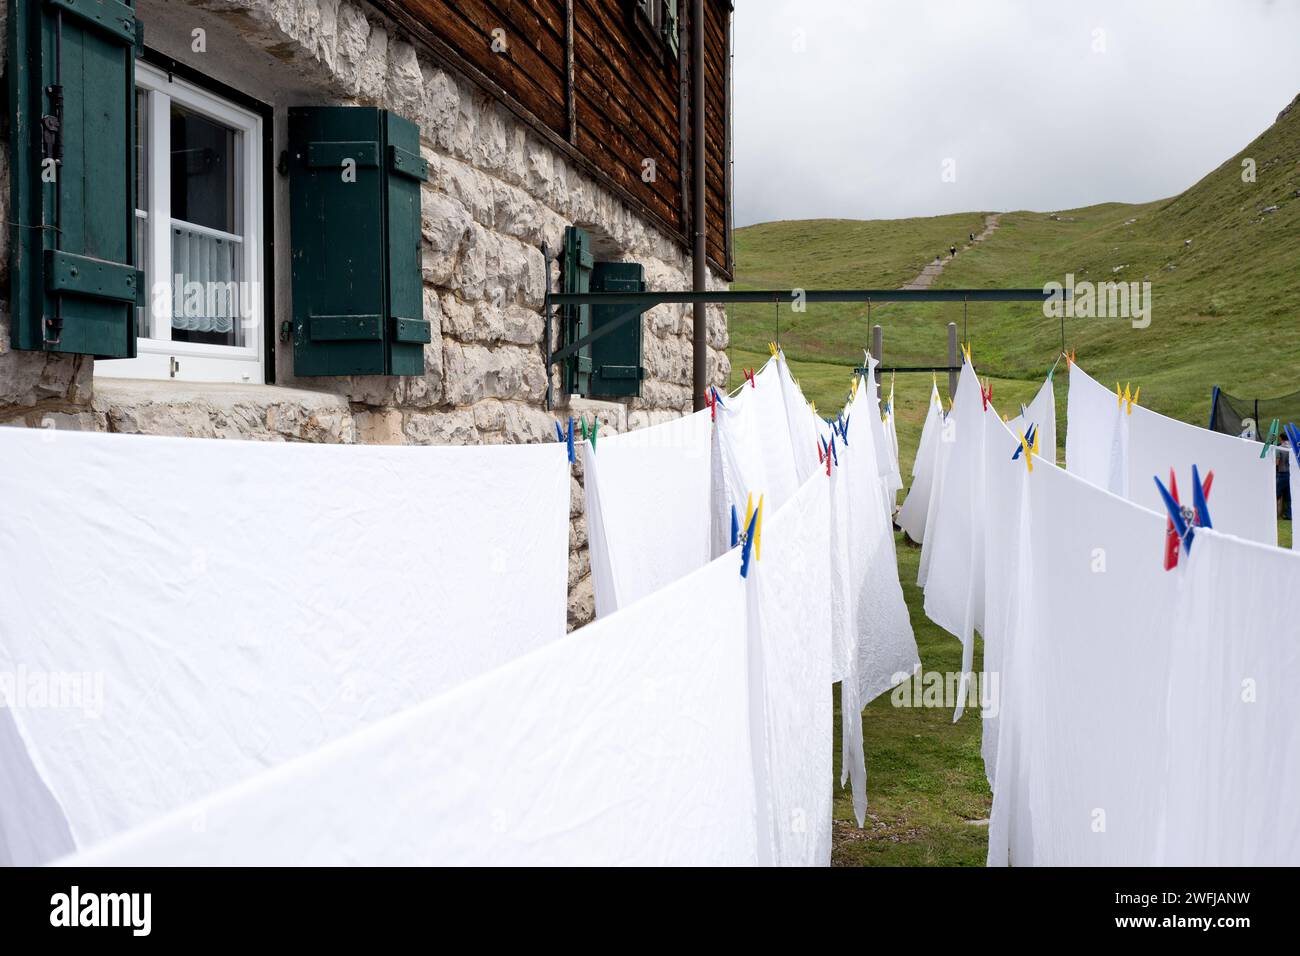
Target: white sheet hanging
{"type": "Point", "coordinates": [647, 506]}
{"type": "Point", "coordinates": [1234, 766]}
{"type": "Point", "coordinates": [954, 585]}
{"type": "Point", "coordinates": [891, 432]}
{"type": "Point", "coordinates": [790, 621]}
{"type": "Point", "coordinates": [243, 603]}
{"type": "Point", "coordinates": [1124, 452]}
{"type": "Point", "coordinates": [1085, 673]}
{"type": "Point", "coordinates": [627, 743]}
{"type": "Point", "coordinates": [912, 515]}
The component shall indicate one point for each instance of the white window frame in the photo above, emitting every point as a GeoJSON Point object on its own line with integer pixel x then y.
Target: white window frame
{"type": "Point", "coordinates": [159, 356]}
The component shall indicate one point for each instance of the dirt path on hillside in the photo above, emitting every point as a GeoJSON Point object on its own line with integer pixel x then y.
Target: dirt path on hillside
{"type": "Point", "coordinates": [935, 268]}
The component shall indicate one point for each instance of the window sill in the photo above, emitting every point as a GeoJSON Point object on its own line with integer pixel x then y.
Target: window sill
{"type": "Point", "coordinates": [220, 395]}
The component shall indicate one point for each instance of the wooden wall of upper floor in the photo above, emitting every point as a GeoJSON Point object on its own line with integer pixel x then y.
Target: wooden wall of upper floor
{"type": "Point", "coordinates": [599, 86]}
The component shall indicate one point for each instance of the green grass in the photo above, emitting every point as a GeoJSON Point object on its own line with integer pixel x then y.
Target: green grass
{"type": "Point", "coordinates": [925, 776]}
{"type": "Point", "coordinates": [1224, 311]}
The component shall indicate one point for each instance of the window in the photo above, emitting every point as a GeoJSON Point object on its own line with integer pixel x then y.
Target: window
{"type": "Point", "coordinates": [658, 21]}
{"type": "Point", "coordinates": [199, 235]}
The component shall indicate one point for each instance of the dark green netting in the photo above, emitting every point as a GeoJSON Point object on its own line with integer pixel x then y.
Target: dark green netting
{"type": "Point", "coordinates": [1251, 417]}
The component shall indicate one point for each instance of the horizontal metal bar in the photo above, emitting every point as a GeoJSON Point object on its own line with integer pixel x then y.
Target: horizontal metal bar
{"type": "Point", "coordinates": [910, 368]}
{"type": "Point", "coordinates": [648, 300]}
{"type": "Point", "coordinates": [559, 355]}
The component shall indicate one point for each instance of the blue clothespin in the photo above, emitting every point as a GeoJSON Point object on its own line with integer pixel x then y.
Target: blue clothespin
{"type": "Point", "coordinates": [748, 545]}
{"type": "Point", "coordinates": [735, 527]}
{"type": "Point", "coordinates": [1198, 500]}
{"type": "Point", "coordinates": [833, 454]}
{"type": "Point", "coordinates": [1293, 436]}
{"type": "Point", "coordinates": [569, 439]}
{"type": "Point", "coordinates": [559, 432]}
{"type": "Point", "coordinates": [1185, 531]}
{"type": "Point", "coordinates": [1029, 440]}
{"type": "Point", "coordinates": [844, 429]}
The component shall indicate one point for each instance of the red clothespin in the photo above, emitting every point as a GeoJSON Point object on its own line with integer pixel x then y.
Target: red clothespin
{"type": "Point", "coordinates": [986, 393]}
{"type": "Point", "coordinates": [821, 452]}
{"type": "Point", "coordinates": [749, 377]}
{"type": "Point", "coordinates": [1173, 540]}
{"type": "Point", "coordinates": [713, 406]}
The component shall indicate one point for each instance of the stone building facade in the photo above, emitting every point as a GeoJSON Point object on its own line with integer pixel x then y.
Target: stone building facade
{"type": "Point", "coordinates": [497, 193]}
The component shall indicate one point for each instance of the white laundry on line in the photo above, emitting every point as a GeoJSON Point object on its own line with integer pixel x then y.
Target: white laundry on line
{"type": "Point", "coordinates": [647, 507]}
{"type": "Point", "coordinates": [912, 515]}
{"type": "Point", "coordinates": [238, 604]}
{"type": "Point", "coordinates": [627, 743]}
{"type": "Point", "coordinates": [1234, 764]}
{"type": "Point", "coordinates": [1123, 452]}
{"type": "Point", "coordinates": [790, 627]}
{"type": "Point", "coordinates": [1084, 677]}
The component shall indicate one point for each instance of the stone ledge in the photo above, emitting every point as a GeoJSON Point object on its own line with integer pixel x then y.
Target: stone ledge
{"type": "Point", "coordinates": [220, 410]}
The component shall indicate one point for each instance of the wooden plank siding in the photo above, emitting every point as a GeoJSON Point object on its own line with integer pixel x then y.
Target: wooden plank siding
{"type": "Point", "coordinates": [600, 91]}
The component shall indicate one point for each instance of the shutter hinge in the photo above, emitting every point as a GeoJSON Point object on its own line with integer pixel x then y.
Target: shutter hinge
{"type": "Point", "coordinates": [286, 330]}
{"type": "Point", "coordinates": [282, 167]}
{"type": "Point", "coordinates": [52, 126]}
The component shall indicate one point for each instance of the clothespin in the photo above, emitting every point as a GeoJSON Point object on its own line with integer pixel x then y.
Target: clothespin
{"type": "Point", "coordinates": [844, 429]}
{"type": "Point", "coordinates": [749, 377]}
{"type": "Point", "coordinates": [569, 439]}
{"type": "Point", "coordinates": [1271, 440]}
{"type": "Point", "coordinates": [1293, 436]}
{"type": "Point", "coordinates": [773, 348]}
{"type": "Point", "coordinates": [833, 454]}
{"type": "Point", "coordinates": [712, 402]}
{"type": "Point", "coordinates": [747, 545]}
{"type": "Point", "coordinates": [1029, 457]}
{"type": "Point", "coordinates": [1030, 437]}
{"type": "Point", "coordinates": [965, 351]}
{"type": "Point", "coordinates": [758, 531]}
{"type": "Point", "coordinates": [1119, 396]}
{"type": "Point", "coordinates": [821, 451]}
{"type": "Point", "coordinates": [1128, 398]}
{"type": "Point", "coordinates": [1036, 433]}
{"type": "Point", "coordinates": [986, 393]}
{"type": "Point", "coordinates": [1136, 392]}
{"type": "Point", "coordinates": [825, 457]}
{"type": "Point", "coordinates": [1183, 521]}
{"type": "Point", "coordinates": [813, 406]}
{"type": "Point", "coordinates": [1069, 357]}
{"type": "Point", "coordinates": [559, 432]}
{"type": "Point", "coordinates": [735, 527]}
{"type": "Point", "coordinates": [595, 424]}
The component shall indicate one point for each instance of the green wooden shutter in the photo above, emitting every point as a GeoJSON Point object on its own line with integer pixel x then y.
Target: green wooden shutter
{"type": "Point", "coordinates": [575, 275]}
{"type": "Point", "coordinates": [407, 328]}
{"type": "Point", "coordinates": [354, 185]}
{"type": "Point", "coordinates": [670, 24]}
{"type": "Point", "coordinates": [616, 358]}
{"type": "Point", "coordinates": [73, 276]}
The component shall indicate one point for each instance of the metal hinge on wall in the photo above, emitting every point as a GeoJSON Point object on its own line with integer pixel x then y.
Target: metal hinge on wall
{"type": "Point", "coordinates": [52, 126]}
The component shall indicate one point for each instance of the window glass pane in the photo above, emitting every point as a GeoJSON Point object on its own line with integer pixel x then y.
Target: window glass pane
{"type": "Point", "coordinates": [206, 305]}
{"type": "Point", "coordinates": [203, 171]}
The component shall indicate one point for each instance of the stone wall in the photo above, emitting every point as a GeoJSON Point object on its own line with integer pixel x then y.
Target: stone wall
{"type": "Point", "coordinates": [496, 193]}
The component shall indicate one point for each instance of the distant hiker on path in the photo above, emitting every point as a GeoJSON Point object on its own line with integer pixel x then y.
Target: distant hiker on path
{"type": "Point", "coordinates": [952, 250]}
{"type": "Point", "coordinates": [972, 237]}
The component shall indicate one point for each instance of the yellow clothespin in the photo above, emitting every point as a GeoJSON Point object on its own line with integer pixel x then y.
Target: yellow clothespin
{"type": "Point", "coordinates": [758, 531]}
{"type": "Point", "coordinates": [1133, 401]}
{"type": "Point", "coordinates": [1029, 455]}
{"type": "Point", "coordinates": [1119, 396]}
{"type": "Point", "coordinates": [965, 350]}
{"type": "Point", "coordinates": [813, 406]}
{"type": "Point", "coordinates": [934, 378]}
{"type": "Point", "coordinates": [771, 346]}
{"type": "Point", "coordinates": [1004, 417]}
{"type": "Point", "coordinates": [749, 510]}
{"type": "Point", "coordinates": [1036, 431]}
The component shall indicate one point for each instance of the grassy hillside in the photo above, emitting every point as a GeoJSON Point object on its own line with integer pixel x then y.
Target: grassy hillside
{"type": "Point", "coordinates": [1226, 311]}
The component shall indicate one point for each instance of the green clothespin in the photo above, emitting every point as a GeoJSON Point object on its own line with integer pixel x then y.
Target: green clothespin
{"type": "Point", "coordinates": [595, 424]}
{"type": "Point", "coordinates": [1271, 440]}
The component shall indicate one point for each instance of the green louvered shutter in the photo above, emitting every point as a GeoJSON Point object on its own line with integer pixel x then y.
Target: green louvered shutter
{"type": "Point", "coordinates": [354, 184]}
{"type": "Point", "coordinates": [670, 24]}
{"type": "Point", "coordinates": [616, 358]}
{"type": "Point", "coordinates": [575, 274]}
{"type": "Point", "coordinates": [73, 276]}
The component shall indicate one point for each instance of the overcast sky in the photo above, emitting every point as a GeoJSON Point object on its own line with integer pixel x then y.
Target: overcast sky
{"type": "Point", "coordinates": [1039, 104]}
